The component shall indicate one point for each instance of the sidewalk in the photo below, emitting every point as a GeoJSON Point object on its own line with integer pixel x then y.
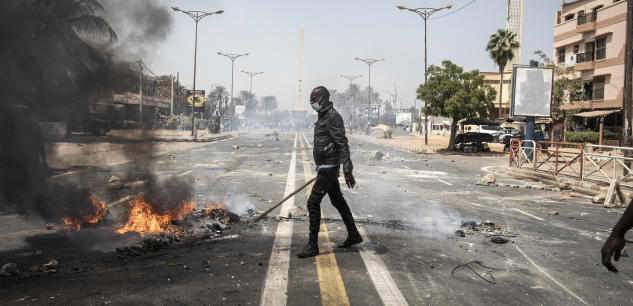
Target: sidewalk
{"type": "Point", "coordinates": [167, 135]}
{"type": "Point", "coordinates": [415, 143]}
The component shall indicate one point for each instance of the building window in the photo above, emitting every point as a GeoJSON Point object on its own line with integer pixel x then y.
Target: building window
{"type": "Point", "coordinates": [601, 48]}
{"type": "Point", "coordinates": [569, 17]}
{"type": "Point", "coordinates": [589, 51]}
{"type": "Point", "coordinates": [598, 88]}
{"type": "Point", "coordinates": [576, 49]}
{"type": "Point", "coordinates": [588, 89]}
{"type": "Point", "coordinates": [561, 55]}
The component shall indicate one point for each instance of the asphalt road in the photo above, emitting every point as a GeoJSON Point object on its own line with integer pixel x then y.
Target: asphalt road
{"type": "Point", "coordinates": [408, 207]}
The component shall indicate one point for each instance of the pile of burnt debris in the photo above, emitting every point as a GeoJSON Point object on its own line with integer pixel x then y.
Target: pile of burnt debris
{"type": "Point", "coordinates": [201, 224]}
{"type": "Point", "coordinates": [487, 228]}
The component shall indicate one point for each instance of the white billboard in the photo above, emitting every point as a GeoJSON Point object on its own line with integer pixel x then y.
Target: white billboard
{"type": "Point", "coordinates": [531, 91]}
{"type": "Point", "coordinates": [402, 116]}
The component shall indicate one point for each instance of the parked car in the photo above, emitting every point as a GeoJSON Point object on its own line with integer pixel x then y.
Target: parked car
{"type": "Point", "coordinates": [493, 130]}
{"type": "Point", "coordinates": [511, 132]}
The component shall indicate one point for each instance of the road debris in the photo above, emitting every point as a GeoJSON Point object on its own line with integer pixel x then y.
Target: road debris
{"type": "Point", "coordinates": [9, 269]}
{"type": "Point", "coordinates": [235, 147]}
{"type": "Point", "coordinates": [377, 155]}
{"type": "Point", "coordinates": [50, 266]}
{"type": "Point", "coordinates": [499, 240]}
{"type": "Point", "coordinates": [488, 179]}
{"type": "Point", "coordinates": [460, 233]}
{"type": "Point", "coordinates": [259, 145]}
{"type": "Point", "coordinates": [624, 252]}
{"type": "Point", "coordinates": [475, 265]}
{"type": "Point", "coordinates": [552, 213]}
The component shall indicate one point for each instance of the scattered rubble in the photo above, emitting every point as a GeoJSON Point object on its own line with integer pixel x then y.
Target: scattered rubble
{"type": "Point", "coordinates": [488, 179]}
{"type": "Point", "coordinates": [552, 213]}
{"type": "Point", "coordinates": [499, 240]}
{"type": "Point", "coordinates": [599, 198]}
{"type": "Point", "coordinates": [259, 145]}
{"type": "Point", "coordinates": [9, 269]}
{"type": "Point", "coordinates": [50, 266]}
{"type": "Point", "coordinates": [376, 155]}
{"type": "Point", "coordinates": [624, 252]}
{"type": "Point", "coordinates": [235, 147]}
{"type": "Point", "coordinates": [50, 226]}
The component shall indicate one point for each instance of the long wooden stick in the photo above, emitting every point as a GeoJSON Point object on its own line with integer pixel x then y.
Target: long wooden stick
{"type": "Point", "coordinates": [283, 200]}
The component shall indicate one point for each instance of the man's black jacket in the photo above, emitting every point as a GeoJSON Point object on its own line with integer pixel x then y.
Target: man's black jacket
{"type": "Point", "coordinates": [330, 143]}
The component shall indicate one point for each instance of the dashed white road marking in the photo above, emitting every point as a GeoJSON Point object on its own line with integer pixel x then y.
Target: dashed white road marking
{"type": "Point", "coordinates": [63, 174]}
{"type": "Point", "coordinates": [307, 142]}
{"type": "Point", "coordinates": [276, 284]}
{"type": "Point", "coordinates": [380, 276]}
{"type": "Point", "coordinates": [528, 214]}
{"type": "Point", "coordinates": [119, 163]}
{"type": "Point", "coordinates": [185, 173]}
{"type": "Point", "coordinates": [403, 166]}
{"type": "Point", "coordinates": [549, 276]}
{"type": "Point", "coordinates": [445, 182]}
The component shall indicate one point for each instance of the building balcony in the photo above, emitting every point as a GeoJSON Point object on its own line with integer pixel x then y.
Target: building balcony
{"type": "Point", "coordinates": [584, 61]}
{"type": "Point", "coordinates": [587, 22]}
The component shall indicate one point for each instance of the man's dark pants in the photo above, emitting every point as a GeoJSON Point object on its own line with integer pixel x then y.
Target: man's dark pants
{"type": "Point", "coordinates": [327, 183]}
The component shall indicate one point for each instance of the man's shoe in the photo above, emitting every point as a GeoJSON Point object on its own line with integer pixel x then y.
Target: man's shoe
{"type": "Point", "coordinates": [310, 250]}
{"type": "Point", "coordinates": [352, 239]}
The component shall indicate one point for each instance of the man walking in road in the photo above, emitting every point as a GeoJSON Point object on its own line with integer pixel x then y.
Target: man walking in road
{"type": "Point", "coordinates": [330, 149]}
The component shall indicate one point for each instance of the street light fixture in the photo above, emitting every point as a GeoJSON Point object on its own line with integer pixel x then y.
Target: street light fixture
{"type": "Point", "coordinates": [369, 62]}
{"type": "Point", "coordinates": [250, 91]}
{"type": "Point", "coordinates": [425, 13]}
{"type": "Point", "coordinates": [232, 57]}
{"type": "Point", "coordinates": [196, 16]}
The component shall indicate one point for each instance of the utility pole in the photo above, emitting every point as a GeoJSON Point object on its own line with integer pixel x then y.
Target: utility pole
{"type": "Point", "coordinates": [628, 78]}
{"type": "Point", "coordinates": [140, 93]}
{"type": "Point", "coordinates": [250, 91]}
{"type": "Point", "coordinates": [177, 84]}
{"type": "Point", "coordinates": [425, 13]}
{"type": "Point", "coordinates": [196, 16]}
{"type": "Point", "coordinates": [369, 62]}
{"type": "Point", "coordinates": [232, 57]}
{"type": "Point", "coordinates": [171, 106]}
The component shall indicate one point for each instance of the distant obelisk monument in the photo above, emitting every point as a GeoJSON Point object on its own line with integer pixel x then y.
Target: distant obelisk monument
{"type": "Point", "coordinates": [300, 103]}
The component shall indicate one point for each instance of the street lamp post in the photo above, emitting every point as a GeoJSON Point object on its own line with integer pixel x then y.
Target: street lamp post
{"type": "Point", "coordinates": [250, 91]}
{"type": "Point", "coordinates": [232, 57]}
{"type": "Point", "coordinates": [351, 79]}
{"type": "Point", "coordinates": [425, 13]}
{"type": "Point", "coordinates": [369, 62]}
{"type": "Point", "coordinates": [196, 16]}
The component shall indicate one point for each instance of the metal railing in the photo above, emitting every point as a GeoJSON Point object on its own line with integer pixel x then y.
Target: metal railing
{"type": "Point", "coordinates": [608, 163]}
{"type": "Point", "coordinates": [589, 17]}
{"type": "Point", "coordinates": [522, 153]}
{"type": "Point", "coordinates": [584, 57]}
{"type": "Point", "coordinates": [559, 158]}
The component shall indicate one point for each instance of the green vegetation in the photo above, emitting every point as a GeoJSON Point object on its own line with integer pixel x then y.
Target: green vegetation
{"type": "Point", "coordinates": [589, 136]}
{"type": "Point", "coordinates": [501, 47]}
{"type": "Point", "coordinates": [451, 92]}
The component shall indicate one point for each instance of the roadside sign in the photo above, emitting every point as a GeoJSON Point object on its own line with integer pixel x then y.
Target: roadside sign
{"type": "Point", "coordinates": [197, 95]}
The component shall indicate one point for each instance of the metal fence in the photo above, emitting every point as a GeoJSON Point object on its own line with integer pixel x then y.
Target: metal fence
{"type": "Point", "coordinates": [552, 157]}
{"type": "Point", "coordinates": [608, 163]}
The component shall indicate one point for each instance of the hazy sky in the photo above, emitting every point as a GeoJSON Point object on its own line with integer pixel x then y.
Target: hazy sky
{"type": "Point", "coordinates": [335, 32]}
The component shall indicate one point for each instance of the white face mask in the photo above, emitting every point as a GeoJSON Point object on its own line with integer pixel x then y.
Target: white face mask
{"type": "Point", "coordinates": [316, 106]}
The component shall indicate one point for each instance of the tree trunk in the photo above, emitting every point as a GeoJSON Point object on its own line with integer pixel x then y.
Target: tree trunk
{"type": "Point", "coordinates": [501, 68]}
{"type": "Point", "coordinates": [451, 142]}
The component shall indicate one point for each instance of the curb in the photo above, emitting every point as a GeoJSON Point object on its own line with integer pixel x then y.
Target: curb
{"type": "Point", "coordinates": [584, 187]}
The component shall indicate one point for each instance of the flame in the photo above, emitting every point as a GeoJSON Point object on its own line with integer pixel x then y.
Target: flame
{"type": "Point", "coordinates": [91, 214]}
{"type": "Point", "coordinates": [144, 218]}
{"type": "Point", "coordinates": [210, 208]}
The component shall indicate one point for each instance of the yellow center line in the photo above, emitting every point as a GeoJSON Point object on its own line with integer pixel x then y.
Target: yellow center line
{"type": "Point", "coordinates": [330, 280]}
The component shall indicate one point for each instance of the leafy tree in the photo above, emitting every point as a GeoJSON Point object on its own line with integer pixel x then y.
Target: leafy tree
{"type": "Point", "coordinates": [451, 92]}
{"type": "Point", "coordinates": [269, 104]}
{"type": "Point", "coordinates": [215, 99]}
{"type": "Point", "coordinates": [501, 47]}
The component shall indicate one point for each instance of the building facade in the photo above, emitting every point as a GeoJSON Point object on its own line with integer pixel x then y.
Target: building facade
{"type": "Point", "coordinates": [494, 80]}
{"type": "Point", "coordinates": [589, 40]}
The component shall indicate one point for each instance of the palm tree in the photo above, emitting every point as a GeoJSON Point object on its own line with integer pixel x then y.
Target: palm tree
{"type": "Point", "coordinates": [78, 16]}
{"type": "Point", "coordinates": [501, 47]}
{"type": "Point", "coordinates": [270, 104]}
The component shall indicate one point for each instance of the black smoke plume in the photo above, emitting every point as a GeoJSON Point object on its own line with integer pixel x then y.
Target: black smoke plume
{"type": "Point", "coordinates": [57, 58]}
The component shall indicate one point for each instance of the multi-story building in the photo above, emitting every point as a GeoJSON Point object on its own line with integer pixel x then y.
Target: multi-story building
{"type": "Point", "coordinates": [494, 80]}
{"type": "Point", "coordinates": [589, 39]}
